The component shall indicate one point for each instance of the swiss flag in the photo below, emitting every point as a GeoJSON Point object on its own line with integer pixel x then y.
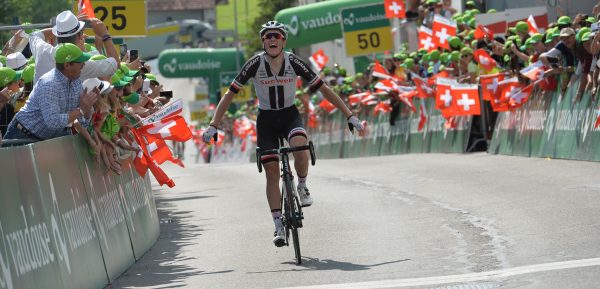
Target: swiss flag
{"type": "Point", "coordinates": [369, 99]}
{"type": "Point", "coordinates": [140, 162]}
{"type": "Point", "coordinates": [442, 29]}
{"type": "Point", "coordinates": [406, 94]}
{"type": "Point", "coordinates": [85, 6]}
{"type": "Point", "coordinates": [395, 9]}
{"type": "Point", "coordinates": [157, 148]}
{"type": "Point", "coordinates": [443, 96]}
{"type": "Point", "coordinates": [534, 71]}
{"type": "Point", "coordinates": [484, 59]}
{"type": "Point", "coordinates": [244, 127]}
{"type": "Point", "coordinates": [356, 98]}
{"type": "Point", "coordinates": [422, 87]}
{"type": "Point", "coordinates": [386, 85]}
{"type": "Point", "coordinates": [519, 95]}
{"type": "Point", "coordinates": [422, 117]}
{"type": "Point", "coordinates": [500, 102]}
{"type": "Point", "coordinates": [319, 59]}
{"type": "Point", "coordinates": [380, 72]}
{"type": "Point", "coordinates": [533, 28]}
{"type": "Point", "coordinates": [171, 128]}
{"type": "Point", "coordinates": [159, 174]}
{"type": "Point", "coordinates": [489, 85]}
{"type": "Point", "coordinates": [327, 106]}
{"type": "Point", "coordinates": [382, 106]}
{"type": "Point", "coordinates": [482, 32]}
{"type": "Point", "coordinates": [465, 99]}
{"type": "Point", "coordinates": [425, 38]}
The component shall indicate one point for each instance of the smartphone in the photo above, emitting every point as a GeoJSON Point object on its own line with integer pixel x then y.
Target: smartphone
{"type": "Point", "coordinates": [167, 93]}
{"type": "Point", "coordinates": [88, 24]}
{"type": "Point", "coordinates": [594, 27]}
{"type": "Point", "coordinates": [123, 50]}
{"type": "Point", "coordinates": [133, 55]}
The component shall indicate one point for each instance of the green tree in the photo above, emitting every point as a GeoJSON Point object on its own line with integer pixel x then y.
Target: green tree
{"type": "Point", "coordinates": [33, 11]}
{"type": "Point", "coordinates": [268, 10]}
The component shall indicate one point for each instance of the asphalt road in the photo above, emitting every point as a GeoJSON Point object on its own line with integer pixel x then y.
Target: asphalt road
{"type": "Point", "coordinates": [407, 221]}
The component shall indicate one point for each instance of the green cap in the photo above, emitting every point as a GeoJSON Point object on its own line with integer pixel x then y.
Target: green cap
{"type": "Point", "coordinates": [455, 42]}
{"type": "Point", "coordinates": [474, 43]}
{"type": "Point", "coordinates": [426, 58]}
{"type": "Point", "coordinates": [422, 51]}
{"type": "Point", "coordinates": [434, 55]}
{"type": "Point", "coordinates": [28, 73]}
{"type": "Point", "coordinates": [116, 81]}
{"type": "Point", "coordinates": [586, 37]}
{"type": "Point", "coordinates": [455, 55]}
{"type": "Point", "coordinates": [512, 30]}
{"type": "Point", "coordinates": [413, 55]}
{"type": "Point", "coordinates": [536, 37]}
{"type": "Point", "coordinates": [564, 20]}
{"type": "Point", "coordinates": [551, 34]}
{"type": "Point", "coordinates": [126, 71]}
{"type": "Point", "coordinates": [69, 52]}
{"type": "Point", "coordinates": [445, 56]}
{"type": "Point", "coordinates": [522, 27]}
{"type": "Point", "coordinates": [492, 11]}
{"type": "Point", "coordinates": [133, 98]}
{"type": "Point", "coordinates": [590, 19]}
{"type": "Point", "coordinates": [98, 57]}
{"type": "Point", "coordinates": [470, 3]}
{"type": "Point", "coordinates": [3, 60]}
{"type": "Point", "coordinates": [326, 70]}
{"type": "Point", "coordinates": [348, 79]}
{"type": "Point", "coordinates": [409, 63]}
{"type": "Point", "coordinates": [474, 11]}
{"type": "Point", "coordinates": [8, 75]}
{"type": "Point", "coordinates": [466, 50]}
{"type": "Point", "coordinates": [580, 32]}
{"type": "Point", "coordinates": [151, 77]}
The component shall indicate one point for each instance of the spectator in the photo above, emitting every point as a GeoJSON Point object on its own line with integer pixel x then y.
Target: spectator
{"type": "Point", "coordinates": [69, 30]}
{"type": "Point", "coordinates": [561, 56]}
{"type": "Point", "coordinates": [57, 100]}
{"type": "Point", "coordinates": [16, 61]}
{"type": "Point", "coordinates": [10, 82]}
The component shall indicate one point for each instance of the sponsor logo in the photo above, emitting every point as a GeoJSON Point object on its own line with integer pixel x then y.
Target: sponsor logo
{"type": "Point", "coordinates": [351, 19]}
{"type": "Point", "coordinates": [295, 23]}
{"type": "Point", "coordinates": [173, 66]}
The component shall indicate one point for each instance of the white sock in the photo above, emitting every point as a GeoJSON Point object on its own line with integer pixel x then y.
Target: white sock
{"type": "Point", "coordinates": [277, 219]}
{"type": "Point", "coordinates": [302, 182]}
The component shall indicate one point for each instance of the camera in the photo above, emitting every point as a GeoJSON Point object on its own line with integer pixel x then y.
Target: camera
{"type": "Point", "coordinates": [133, 55]}
{"type": "Point", "coordinates": [123, 50]}
{"type": "Point", "coordinates": [167, 93]}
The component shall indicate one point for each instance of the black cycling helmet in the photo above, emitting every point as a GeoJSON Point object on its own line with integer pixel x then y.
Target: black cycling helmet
{"type": "Point", "coordinates": [273, 25]}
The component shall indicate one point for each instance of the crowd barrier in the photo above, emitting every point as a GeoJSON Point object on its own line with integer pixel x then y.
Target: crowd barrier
{"type": "Point", "coordinates": [65, 222]}
{"type": "Point", "coordinates": [550, 125]}
{"type": "Point", "coordinates": [333, 140]}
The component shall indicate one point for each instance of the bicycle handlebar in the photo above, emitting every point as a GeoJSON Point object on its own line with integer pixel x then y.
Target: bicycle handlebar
{"type": "Point", "coordinates": [286, 150]}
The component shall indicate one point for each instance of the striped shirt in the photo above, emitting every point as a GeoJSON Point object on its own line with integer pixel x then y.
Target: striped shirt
{"type": "Point", "coordinates": [46, 113]}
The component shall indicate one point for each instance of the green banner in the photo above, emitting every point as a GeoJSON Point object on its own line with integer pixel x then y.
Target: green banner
{"type": "Point", "coordinates": [65, 205]}
{"type": "Point", "coordinates": [107, 211]}
{"type": "Point", "coordinates": [140, 208]}
{"type": "Point", "coordinates": [364, 17]}
{"type": "Point", "coordinates": [315, 23]}
{"type": "Point", "coordinates": [551, 124]}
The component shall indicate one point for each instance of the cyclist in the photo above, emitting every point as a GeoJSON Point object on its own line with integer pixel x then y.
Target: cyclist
{"type": "Point", "coordinates": [274, 75]}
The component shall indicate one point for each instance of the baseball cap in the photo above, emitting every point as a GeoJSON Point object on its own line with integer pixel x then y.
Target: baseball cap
{"type": "Point", "coordinates": [564, 20]}
{"type": "Point", "coordinates": [28, 73]}
{"type": "Point", "coordinates": [522, 26]}
{"type": "Point", "coordinates": [133, 98]}
{"type": "Point", "coordinates": [565, 32]}
{"type": "Point", "coordinates": [92, 83]}
{"type": "Point", "coordinates": [586, 36]}
{"type": "Point", "coordinates": [16, 61]}
{"type": "Point", "coordinates": [126, 71]}
{"type": "Point", "coordinates": [69, 52]}
{"type": "Point", "coordinates": [152, 77]}
{"type": "Point", "coordinates": [98, 57]}
{"type": "Point", "coordinates": [8, 75]}
{"type": "Point", "coordinates": [116, 81]}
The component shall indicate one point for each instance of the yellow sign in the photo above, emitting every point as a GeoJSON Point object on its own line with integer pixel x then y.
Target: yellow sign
{"type": "Point", "coordinates": [123, 18]}
{"type": "Point", "coordinates": [198, 115]}
{"type": "Point", "coordinates": [367, 41]}
{"type": "Point", "coordinates": [242, 96]}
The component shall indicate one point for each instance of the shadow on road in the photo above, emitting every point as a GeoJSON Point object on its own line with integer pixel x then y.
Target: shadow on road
{"type": "Point", "coordinates": [310, 264]}
{"type": "Point", "coordinates": [162, 266]}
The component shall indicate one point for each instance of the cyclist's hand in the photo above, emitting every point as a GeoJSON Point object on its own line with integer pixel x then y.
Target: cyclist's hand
{"type": "Point", "coordinates": [210, 132]}
{"type": "Point", "coordinates": [354, 122]}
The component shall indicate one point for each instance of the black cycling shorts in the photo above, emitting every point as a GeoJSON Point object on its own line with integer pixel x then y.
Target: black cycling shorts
{"type": "Point", "coordinates": [272, 124]}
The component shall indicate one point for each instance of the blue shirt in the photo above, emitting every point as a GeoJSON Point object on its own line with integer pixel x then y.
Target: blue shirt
{"type": "Point", "coordinates": [46, 112]}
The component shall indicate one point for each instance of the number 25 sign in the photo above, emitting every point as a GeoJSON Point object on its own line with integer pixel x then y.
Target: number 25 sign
{"type": "Point", "coordinates": [123, 18]}
{"type": "Point", "coordinates": [366, 30]}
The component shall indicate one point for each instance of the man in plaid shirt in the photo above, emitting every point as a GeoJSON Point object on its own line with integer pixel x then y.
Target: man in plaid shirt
{"type": "Point", "coordinates": [57, 100]}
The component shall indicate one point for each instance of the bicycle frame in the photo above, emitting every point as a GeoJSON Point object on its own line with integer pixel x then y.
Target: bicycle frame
{"type": "Point", "coordinates": [290, 203]}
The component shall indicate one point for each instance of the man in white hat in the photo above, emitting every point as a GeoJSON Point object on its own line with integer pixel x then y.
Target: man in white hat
{"type": "Point", "coordinates": [69, 29]}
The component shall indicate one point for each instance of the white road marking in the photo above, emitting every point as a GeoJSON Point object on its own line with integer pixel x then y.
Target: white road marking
{"type": "Point", "coordinates": [470, 277]}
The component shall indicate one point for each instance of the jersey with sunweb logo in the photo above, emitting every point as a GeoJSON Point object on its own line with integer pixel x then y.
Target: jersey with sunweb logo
{"type": "Point", "coordinates": [275, 91]}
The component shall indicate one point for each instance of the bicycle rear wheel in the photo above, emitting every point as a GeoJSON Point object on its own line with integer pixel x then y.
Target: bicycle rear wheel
{"type": "Point", "coordinates": [294, 214]}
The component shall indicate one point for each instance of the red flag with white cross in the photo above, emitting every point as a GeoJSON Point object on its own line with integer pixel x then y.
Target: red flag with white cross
{"type": "Point", "coordinates": [422, 117]}
{"type": "Point", "coordinates": [443, 96]}
{"type": "Point", "coordinates": [442, 29]}
{"type": "Point", "coordinates": [489, 85]}
{"type": "Point", "coordinates": [383, 107]}
{"type": "Point", "coordinates": [534, 71]}
{"type": "Point", "coordinates": [395, 9]}
{"type": "Point", "coordinates": [465, 99]}
{"type": "Point", "coordinates": [379, 71]}
{"type": "Point", "coordinates": [484, 59]}
{"type": "Point", "coordinates": [171, 128]}
{"type": "Point", "coordinates": [425, 38]}
{"type": "Point", "coordinates": [500, 102]}
{"type": "Point", "coordinates": [85, 6]}
{"type": "Point", "coordinates": [482, 32]}
{"type": "Point", "coordinates": [422, 87]}
{"type": "Point", "coordinates": [519, 95]}
{"type": "Point", "coordinates": [319, 59]}
{"type": "Point", "coordinates": [327, 106]}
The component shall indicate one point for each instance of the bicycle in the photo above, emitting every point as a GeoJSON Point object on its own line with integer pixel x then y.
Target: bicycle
{"type": "Point", "coordinates": [290, 201]}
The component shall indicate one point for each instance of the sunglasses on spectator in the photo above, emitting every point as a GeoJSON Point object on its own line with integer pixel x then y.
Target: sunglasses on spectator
{"type": "Point", "coordinates": [272, 35]}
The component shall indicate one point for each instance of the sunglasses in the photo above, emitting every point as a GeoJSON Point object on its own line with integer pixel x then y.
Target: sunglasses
{"type": "Point", "coordinates": [273, 35]}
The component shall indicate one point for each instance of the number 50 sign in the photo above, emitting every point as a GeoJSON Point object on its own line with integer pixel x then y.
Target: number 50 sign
{"type": "Point", "coordinates": [123, 18]}
{"type": "Point", "coordinates": [366, 30]}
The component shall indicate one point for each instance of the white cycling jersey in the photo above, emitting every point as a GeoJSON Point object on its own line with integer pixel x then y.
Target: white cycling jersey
{"type": "Point", "coordinates": [275, 92]}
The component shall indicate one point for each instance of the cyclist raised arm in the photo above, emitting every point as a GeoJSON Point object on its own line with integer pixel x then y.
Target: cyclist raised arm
{"type": "Point", "coordinates": [274, 75]}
